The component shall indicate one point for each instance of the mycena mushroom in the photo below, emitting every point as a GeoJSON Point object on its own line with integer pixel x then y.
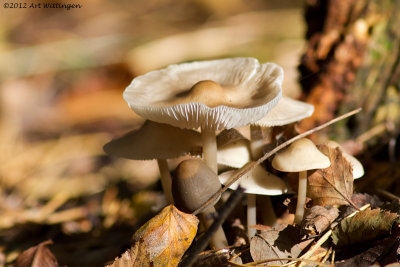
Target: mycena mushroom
{"type": "Point", "coordinates": [210, 95]}
{"type": "Point", "coordinates": [255, 182]}
{"type": "Point", "coordinates": [193, 184]}
{"type": "Point", "coordinates": [300, 156]}
{"type": "Point", "coordinates": [285, 112]}
{"type": "Point", "coordinates": [156, 141]}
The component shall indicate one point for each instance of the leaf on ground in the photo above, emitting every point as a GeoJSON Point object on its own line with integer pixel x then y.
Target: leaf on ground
{"type": "Point", "coordinates": [281, 243]}
{"type": "Point", "coordinates": [317, 219]}
{"type": "Point", "coordinates": [382, 251]}
{"type": "Point", "coordinates": [334, 185]}
{"type": "Point", "coordinates": [365, 226]}
{"type": "Point", "coordinates": [162, 241]}
{"type": "Point", "coordinates": [37, 256]}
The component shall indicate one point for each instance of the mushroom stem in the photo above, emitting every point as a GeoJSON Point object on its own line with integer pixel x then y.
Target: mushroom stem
{"type": "Point", "coordinates": [301, 197]}
{"type": "Point", "coordinates": [251, 214]}
{"type": "Point", "coordinates": [166, 179]}
{"type": "Point", "coordinates": [218, 240]}
{"type": "Point", "coordinates": [257, 143]}
{"type": "Point", "coordinates": [209, 141]}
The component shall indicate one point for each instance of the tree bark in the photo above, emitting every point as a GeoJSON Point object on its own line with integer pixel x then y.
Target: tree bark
{"type": "Point", "coordinates": [352, 60]}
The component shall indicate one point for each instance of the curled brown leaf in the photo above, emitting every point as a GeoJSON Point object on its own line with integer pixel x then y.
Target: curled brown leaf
{"type": "Point", "coordinates": [162, 241]}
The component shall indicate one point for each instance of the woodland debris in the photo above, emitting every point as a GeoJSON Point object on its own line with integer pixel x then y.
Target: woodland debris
{"type": "Point", "coordinates": [317, 219]}
{"type": "Point", "coordinates": [333, 185]}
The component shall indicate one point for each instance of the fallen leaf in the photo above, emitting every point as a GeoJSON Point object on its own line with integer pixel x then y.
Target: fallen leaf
{"type": "Point", "coordinates": [317, 219]}
{"type": "Point", "coordinates": [384, 251]}
{"type": "Point", "coordinates": [333, 185]}
{"type": "Point", "coordinates": [37, 256]}
{"type": "Point", "coordinates": [278, 243]}
{"type": "Point", "coordinates": [365, 226]}
{"type": "Point", "coordinates": [162, 241]}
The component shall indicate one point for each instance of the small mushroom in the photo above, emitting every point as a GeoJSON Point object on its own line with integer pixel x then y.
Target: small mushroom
{"type": "Point", "coordinates": [255, 182]}
{"type": "Point", "coordinates": [285, 112]}
{"type": "Point", "coordinates": [156, 141]}
{"type": "Point", "coordinates": [357, 167]}
{"type": "Point", "coordinates": [300, 156]}
{"type": "Point", "coordinates": [192, 185]}
{"type": "Point", "coordinates": [212, 95]}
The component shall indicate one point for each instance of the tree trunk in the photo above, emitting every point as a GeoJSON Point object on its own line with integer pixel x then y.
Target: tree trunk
{"type": "Point", "coordinates": [353, 60]}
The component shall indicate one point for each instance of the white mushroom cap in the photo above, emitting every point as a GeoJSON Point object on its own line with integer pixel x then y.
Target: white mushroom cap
{"type": "Point", "coordinates": [301, 155]}
{"type": "Point", "coordinates": [287, 111]}
{"type": "Point", "coordinates": [357, 167]}
{"type": "Point", "coordinates": [233, 149]}
{"type": "Point", "coordinates": [257, 181]}
{"type": "Point", "coordinates": [155, 141]}
{"type": "Point", "coordinates": [235, 154]}
{"type": "Point", "coordinates": [246, 92]}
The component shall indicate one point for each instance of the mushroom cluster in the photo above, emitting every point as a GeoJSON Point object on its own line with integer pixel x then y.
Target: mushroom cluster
{"type": "Point", "coordinates": [187, 106]}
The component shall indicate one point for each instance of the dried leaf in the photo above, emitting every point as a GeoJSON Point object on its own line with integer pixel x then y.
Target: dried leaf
{"type": "Point", "coordinates": [282, 243]}
{"type": "Point", "coordinates": [37, 256]}
{"type": "Point", "coordinates": [365, 226]}
{"type": "Point", "coordinates": [162, 241]}
{"type": "Point", "coordinates": [334, 185]}
{"type": "Point", "coordinates": [382, 249]}
{"type": "Point", "coordinates": [317, 219]}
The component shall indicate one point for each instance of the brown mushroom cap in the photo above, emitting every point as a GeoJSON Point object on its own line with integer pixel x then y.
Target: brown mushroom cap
{"type": "Point", "coordinates": [193, 184]}
{"type": "Point", "coordinates": [301, 155]}
{"type": "Point", "coordinates": [155, 141]}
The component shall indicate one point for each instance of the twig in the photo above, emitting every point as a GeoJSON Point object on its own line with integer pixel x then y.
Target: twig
{"type": "Point", "coordinates": [223, 212]}
{"type": "Point", "coordinates": [388, 194]}
{"type": "Point", "coordinates": [374, 131]}
{"type": "Point", "coordinates": [251, 166]}
{"type": "Point", "coordinates": [262, 263]}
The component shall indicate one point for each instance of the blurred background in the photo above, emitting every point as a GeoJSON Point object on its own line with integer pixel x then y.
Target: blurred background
{"type": "Point", "coordinates": [62, 75]}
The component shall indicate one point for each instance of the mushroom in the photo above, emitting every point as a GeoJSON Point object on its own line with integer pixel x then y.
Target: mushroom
{"type": "Point", "coordinates": [255, 182]}
{"type": "Point", "coordinates": [357, 167]}
{"type": "Point", "coordinates": [192, 185]}
{"type": "Point", "coordinates": [212, 95]}
{"type": "Point", "coordinates": [286, 111]}
{"type": "Point", "coordinates": [300, 156]}
{"type": "Point", "coordinates": [156, 141]}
